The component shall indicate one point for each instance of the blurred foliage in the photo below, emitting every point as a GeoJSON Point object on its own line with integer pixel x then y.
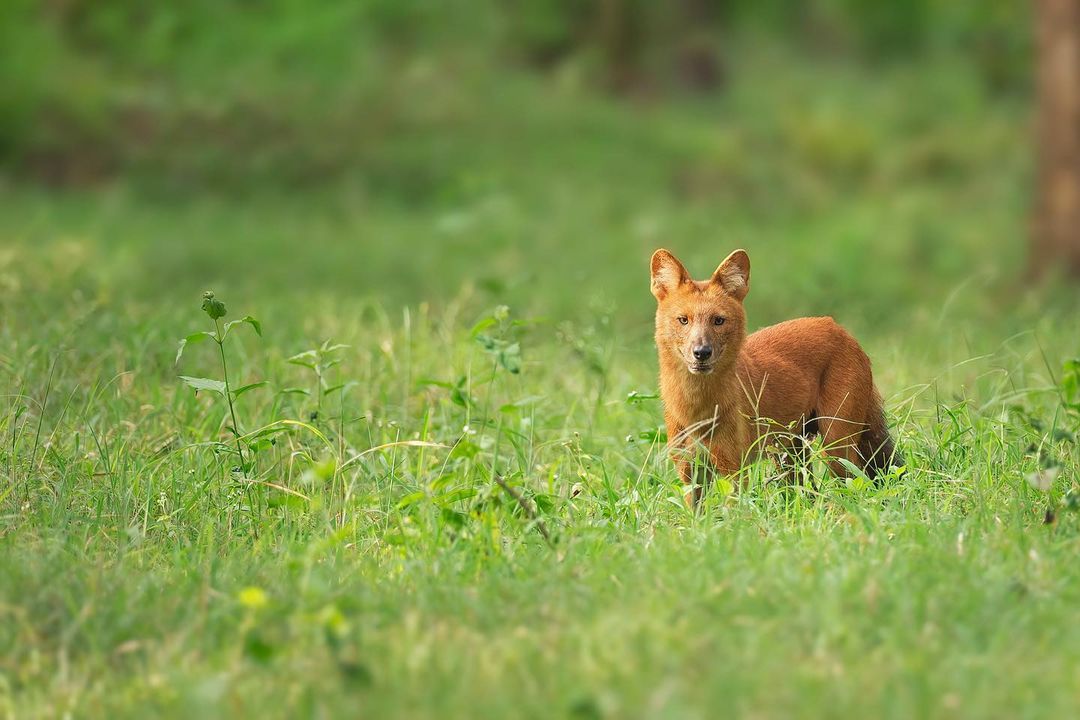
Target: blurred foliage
{"type": "Point", "coordinates": [220, 91]}
{"type": "Point", "coordinates": [410, 163]}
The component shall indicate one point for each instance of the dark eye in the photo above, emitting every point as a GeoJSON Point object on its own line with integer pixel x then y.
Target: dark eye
{"type": "Point", "coordinates": [718, 320]}
{"type": "Point", "coordinates": [683, 319]}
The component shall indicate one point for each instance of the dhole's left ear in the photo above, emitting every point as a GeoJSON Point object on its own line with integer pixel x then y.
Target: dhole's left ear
{"type": "Point", "coordinates": [734, 274]}
{"type": "Point", "coordinates": [667, 273]}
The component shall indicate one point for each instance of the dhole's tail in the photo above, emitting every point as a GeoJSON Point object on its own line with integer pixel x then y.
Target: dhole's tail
{"type": "Point", "coordinates": [876, 445]}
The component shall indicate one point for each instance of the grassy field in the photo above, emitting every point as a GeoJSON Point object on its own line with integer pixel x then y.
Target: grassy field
{"type": "Point", "coordinates": [353, 552]}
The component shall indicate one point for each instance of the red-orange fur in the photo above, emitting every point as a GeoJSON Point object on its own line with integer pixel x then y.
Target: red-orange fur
{"type": "Point", "coordinates": [784, 379]}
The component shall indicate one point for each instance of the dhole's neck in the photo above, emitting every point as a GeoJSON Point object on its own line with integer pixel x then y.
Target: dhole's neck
{"type": "Point", "coordinates": [696, 398]}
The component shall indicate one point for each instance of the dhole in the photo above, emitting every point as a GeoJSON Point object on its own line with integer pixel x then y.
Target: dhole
{"type": "Point", "coordinates": [731, 395]}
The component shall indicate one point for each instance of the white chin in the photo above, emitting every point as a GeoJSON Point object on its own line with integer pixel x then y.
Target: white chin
{"type": "Point", "coordinates": [699, 371]}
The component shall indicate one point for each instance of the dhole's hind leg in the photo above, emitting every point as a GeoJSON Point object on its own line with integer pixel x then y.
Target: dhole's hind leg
{"type": "Point", "coordinates": [846, 389]}
{"type": "Point", "coordinates": [791, 453]}
{"type": "Point", "coordinates": [799, 468]}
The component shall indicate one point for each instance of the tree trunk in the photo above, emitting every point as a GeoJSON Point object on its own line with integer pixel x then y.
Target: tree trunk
{"type": "Point", "coordinates": [621, 38]}
{"type": "Point", "coordinates": [1055, 242]}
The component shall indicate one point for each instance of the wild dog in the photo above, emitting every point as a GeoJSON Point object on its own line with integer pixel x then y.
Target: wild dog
{"type": "Point", "coordinates": [731, 395]}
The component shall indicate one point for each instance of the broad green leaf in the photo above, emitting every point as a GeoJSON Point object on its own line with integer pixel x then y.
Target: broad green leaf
{"type": "Point", "coordinates": [204, 384]}
{"type": "Point", "coordinates": [456, 495]}
{"type": "Point", "coordinates": [544, 503]}
{"type": "Point", "coordinates": [261, 444]}
{"type": "Point", "coordinates": [286, 500]}
{"type": "Point", "coordinates": [679, 503]}
{"type": "Point", "coordinates": [464, 449]}
{"type": "Point", "coordinates": [343, 387]}
{"type": "Point", "coordinates": [657, 436]}
{"type": "Point", "coordinates": [482, 326]}
{"type": "Point", "coordinates": [411, 499]}
{"type": "Point", "coordinates": [266, 432]}
{"type": "Point", "coordinates": [453, 518]}
{"type": "Point", "coordinates": [255, 324]}
{"type": "Point", "coordinates": [241, 390]}
{"type": "Point", "coordinates": [308, 359]}
{"type": "Point", "coordinates": [457, 390]}
{"type": "Point", "coordinates": [507, 354]}
{"type": "Point", "coordinates": [859, 479]}
{"type": "Point", "coordinates": [422, 382]}
{"type": "Point", "coordinates": [459, 394]}
{"type": "Point", "coordinates": [442, 481]}
{"type": "Point", "coordinates": [191, 340]}
{"type": "Point", "coordinates": [458, 397]}
{"type": "Point", "coordinates": [510, 358]}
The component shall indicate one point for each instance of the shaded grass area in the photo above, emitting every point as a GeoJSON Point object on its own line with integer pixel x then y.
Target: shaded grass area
{"type": "Point", "coordinates": [775, 615]}
{"type": "Point", "coordinates": [367, 560]}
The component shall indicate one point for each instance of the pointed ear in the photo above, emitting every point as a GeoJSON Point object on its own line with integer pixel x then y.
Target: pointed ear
{"type": "Point", "coordinates": [667, 273]}
{"type": "Point", "coordinates": [734, 274]}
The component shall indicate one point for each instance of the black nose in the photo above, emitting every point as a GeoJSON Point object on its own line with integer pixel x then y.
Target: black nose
{"type": "Point", "coordinates": [702, 353]}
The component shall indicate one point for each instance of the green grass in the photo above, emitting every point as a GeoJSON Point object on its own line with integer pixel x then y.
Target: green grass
{"type": "Point", "coordinates": [140, 575]}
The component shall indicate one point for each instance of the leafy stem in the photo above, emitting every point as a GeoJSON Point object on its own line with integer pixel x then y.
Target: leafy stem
{"type": "Point", "coordinates": [219, 338]}
{"type": "Point", "coordinates": [215, 310]}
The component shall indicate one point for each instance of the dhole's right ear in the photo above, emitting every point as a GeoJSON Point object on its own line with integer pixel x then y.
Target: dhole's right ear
{"type": "Point", "coordinates": [667, 273]}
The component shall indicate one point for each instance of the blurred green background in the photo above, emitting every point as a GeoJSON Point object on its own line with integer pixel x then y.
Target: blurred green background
{"type": "Point", "coordinates": [873, 156]}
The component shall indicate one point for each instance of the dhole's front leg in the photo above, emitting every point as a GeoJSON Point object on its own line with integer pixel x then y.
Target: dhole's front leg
{"type": "Point", "coordinates": [695, 475]}
{"type": "Point", "coordinates": [691, 471]}
{"type": "Point", "coordinates": [698, 466]}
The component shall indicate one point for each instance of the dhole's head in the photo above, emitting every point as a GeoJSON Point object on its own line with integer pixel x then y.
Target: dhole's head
{"type": "Point", "coordinates": [700, 324]}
